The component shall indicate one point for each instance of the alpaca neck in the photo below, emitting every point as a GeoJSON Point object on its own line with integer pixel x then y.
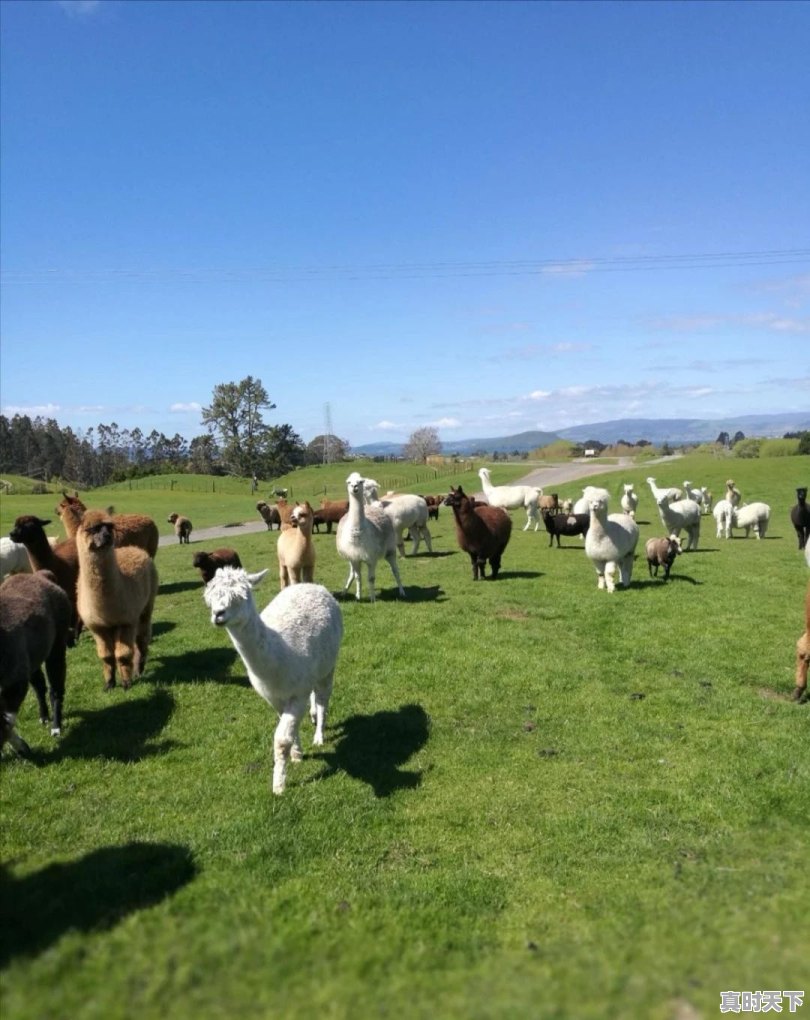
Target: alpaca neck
{"type": "Point", "coordinates": [253, 639]}
{"type": "Point", "coordinates": [100, 572]}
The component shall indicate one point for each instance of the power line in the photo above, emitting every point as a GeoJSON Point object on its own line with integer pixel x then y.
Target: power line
{"type": "Point", "coordinates": [422, 270]}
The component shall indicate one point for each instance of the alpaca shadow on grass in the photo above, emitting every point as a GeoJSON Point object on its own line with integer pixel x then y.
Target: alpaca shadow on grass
{"type": "Point", "coordinates": [373, 748]}
{"type": "Point", "coordinates": [93, 893]}
{"type": "Point", "coordinates": [515, 573]}
{"type": "Point", "coordinates": [412, 594]}
{"type": "Point", "coordinates": [122, 732]}
{"type": "Point", "coordinates": [177, 586]}
{"type": "Point", "coordinates": [162, 627]}
{"type": "Point", "coordinates": [659, 582]}
{"type": "Point", "coordinates": [196, 666]}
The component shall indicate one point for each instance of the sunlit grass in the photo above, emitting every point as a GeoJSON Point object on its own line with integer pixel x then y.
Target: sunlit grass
{"type": "Point", "coordinates": [535, 799]}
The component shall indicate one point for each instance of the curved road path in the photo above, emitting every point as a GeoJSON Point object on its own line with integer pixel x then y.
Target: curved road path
{"type": "Point", "coordinates": [546, 477]}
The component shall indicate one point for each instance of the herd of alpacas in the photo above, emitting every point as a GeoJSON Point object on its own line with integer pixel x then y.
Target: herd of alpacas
{"type": "Point", "coordinates": [102, 577]}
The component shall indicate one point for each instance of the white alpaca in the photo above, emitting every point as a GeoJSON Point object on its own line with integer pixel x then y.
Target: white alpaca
{"type": "Point", "coordinates": [629, 500]}
{"type": "Point", "coordinates": [671, 493]}
{"type": "Point", "coordinates": [290, 652]}
{"type": "Point", "coordinates": [408, 513]}
{"type": "Point", "coordinates": [610, 544]}
{"type": "Point", "coordinates": [510, 497]}
{"type": "Point", "coordinates": [722, 515]}
{"type": "Point", "coordinates": [681, 515]}
{"type": "Point", "coordinates": [365, 534]}
{"type": "Point", "coordinates": [751, 515]}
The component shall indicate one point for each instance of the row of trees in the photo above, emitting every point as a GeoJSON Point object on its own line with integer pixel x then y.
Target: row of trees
{"type": "Point", "coordinates": [238, 442]}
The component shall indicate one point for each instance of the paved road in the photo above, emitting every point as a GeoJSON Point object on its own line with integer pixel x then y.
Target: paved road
{"type": "Point", "coordinates": [547, 477]}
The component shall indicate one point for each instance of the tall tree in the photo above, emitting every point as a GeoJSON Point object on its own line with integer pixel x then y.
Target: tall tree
{"type": "Point", "coordinates": [422, 444]}
{"type": "Point", "coordinates": [235, 416]}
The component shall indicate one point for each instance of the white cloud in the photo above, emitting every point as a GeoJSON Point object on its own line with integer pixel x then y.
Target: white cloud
{"type": "Point", "coordinates": [445, 423]}
{"type": "Point", "coordinates": [573, 268]}
{"type": "Point", "coordinates": [32, 411]}
{"type": "Point", "coordinates": [539, 395]}
{"type": "Point", "coordinates": [180, 408]}
{"type": "Point", "coordinates": [79, 8]}
{"type": "Point", "coordinates": [388, 426]}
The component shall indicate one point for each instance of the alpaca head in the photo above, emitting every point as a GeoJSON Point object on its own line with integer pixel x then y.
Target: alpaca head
{"type": "Point", "coordinates": [26, 527]}
{"type": "Point", "coordinates": [628, 488]}
{"type": "Point", "coordinates": [301, 517]}
{"type": "Point", "coordinates": [229, 595]}
{"type": "Point", "coordinates": [354, 486]}
{"type": "Point", "coordinates": [456, 497]}
{"type": "Point", "coordinates": [97, 531]}
{"type": "Point", "coordinates": [674, 546]}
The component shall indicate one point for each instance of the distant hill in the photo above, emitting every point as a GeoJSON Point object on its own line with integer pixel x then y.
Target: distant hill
{"type": "Point", "coordinates": [654, 430]}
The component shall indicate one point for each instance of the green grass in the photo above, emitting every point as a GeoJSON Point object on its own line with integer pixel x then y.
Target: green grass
{"type": "Point", "coordinates": [535, 799]}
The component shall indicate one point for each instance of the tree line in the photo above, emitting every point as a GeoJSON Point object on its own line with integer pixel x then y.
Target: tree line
{"type": "Point", "coordinates": [238, 442]}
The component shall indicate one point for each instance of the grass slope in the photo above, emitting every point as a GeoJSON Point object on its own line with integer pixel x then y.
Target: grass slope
{"type": "Point", "coordinates": [535, 799]}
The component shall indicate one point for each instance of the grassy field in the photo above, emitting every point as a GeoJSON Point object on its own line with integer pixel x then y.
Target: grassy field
{"type": "Point", "coordinates": [535, 799]}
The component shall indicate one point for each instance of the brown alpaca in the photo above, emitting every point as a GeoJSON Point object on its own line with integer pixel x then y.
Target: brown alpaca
{"type": "Point", "coordinates": [296, 552]}
{"type": "Point", "coordinates": [182, 528]}
{"type": "Point", "coordinates": [115, 594]}
{"type": "Point", "coordinates": [130, 529]}
{"type": "Point", "coordinates": [209, 563]}
{"type": "Point", "coordinates": [803, 653]}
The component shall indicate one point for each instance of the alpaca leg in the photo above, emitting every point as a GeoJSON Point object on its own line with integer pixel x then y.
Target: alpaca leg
{"type": "Point", "coordinates": [283, 577]}
{"type": "Point", "coordinates": [416, 536]}
{"type": "Point", "coordinates": [320, 703]}
{"type": "Point", "coordinates": [626, 570]}
{"type": "Point", "coordinates": [105, 649]}
{"type": "Point", "coordinates": [495, 565]}
{"type": "Point", "coordinates": [125, 654]}
{"type": "Point", "coordinates": [10, 700]}
{"type": "Point", "coordinates": [308, 574]}
{"type": "Point", "coordinates": [372, 576]}
{"type": "Point", "coordinates": [802, 662]}
{"type": "Point", "coordinates": [392, 562]}
{"type": "Point", "coordinates": [56, 666]}
{"type": "Point", "coordinates": [283, 740]}
{"type": "Point", "coordinates": [38, 683]}
{"type": "Point", "coordinates": [428, 539]}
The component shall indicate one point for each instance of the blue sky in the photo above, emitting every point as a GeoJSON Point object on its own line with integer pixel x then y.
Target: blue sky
{"type": "Point", "coordinates": [484, 217]}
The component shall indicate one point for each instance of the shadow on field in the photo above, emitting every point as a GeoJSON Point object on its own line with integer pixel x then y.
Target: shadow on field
{"type": "Point", "coordinates": [91, 894]}
{"type": "Point", "coordinates": [658, 582]}
{"type": "Point", "coordinates": [121, 732]}
{"type": "Point", "coordinates": [515, 573]}
{"type": "Point", "coordinates": [372, 748]}
{"type": "Point", "coordinates": [413, 594]}
{"type": "Point", "coordinates": [177, 586]}
{"type": "Point", "coordinates": [162, 627]}
{"type": "Point", "coordinates": [196, 665]}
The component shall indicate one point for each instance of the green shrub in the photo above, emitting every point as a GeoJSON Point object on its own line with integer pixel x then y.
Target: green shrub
{"type": "Point", "coordinates": [779, 448]}
{"type": "Point", "coordinates": [747, 449]}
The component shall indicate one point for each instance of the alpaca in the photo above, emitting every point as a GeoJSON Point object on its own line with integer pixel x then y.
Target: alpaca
{"type": "Point", "coordinates": [681, 515]}
{"type": "Point", "coordinates": [14, 557]}
{"type": "Point", "coordinates": [673, 493]}
{"type": "Point", "coordinates": [800, 517]}
{"type": "Point", "coordinates": [564, 524]}
{"type": "Point", "coordinates": [62, 559]}
{"type": "Point", "coordinates": [290, 652]}
{"type": "Point", "coordinates": [35, 620]}
{"type": "Point", "coordinates": [296, 550]}
{"type": "Point", "coordinates": [610, 543]}
{"type": "Point", "coordinates": [330, 512]}
{"type": "Point", "coordinates": [803, 652]}
{"type": "Point", "coordinates": [115, 594]}
{"type": "Point", "coordinates": [130, 529]}
{"type": "Point", "coordinates": [482, 532]}
{"type": "Point", "coordinates": [509, 497]}
{"type": "Point", "coordinates": [364, 535]}
{"type": "Point", "coordinates": [751, 515]}
{"type": "Point", "coordinates": [733, 494]}
{"type": "Point", "coordinates": [209, 563]}
{"type": "Point", "coordinates": [409, 513]}
{"type": "Point", "coordinates": [269, 514]}
{"type": "Point", "coordinates": [629, 500]}
{"type": "Point", "coordinates": [721, 511]}
{"type": "Point", "coordinates": [182, 528]}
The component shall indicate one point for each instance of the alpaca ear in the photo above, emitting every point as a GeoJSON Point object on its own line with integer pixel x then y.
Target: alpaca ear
{"type": "Point", "coordinates": [256, 579]}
